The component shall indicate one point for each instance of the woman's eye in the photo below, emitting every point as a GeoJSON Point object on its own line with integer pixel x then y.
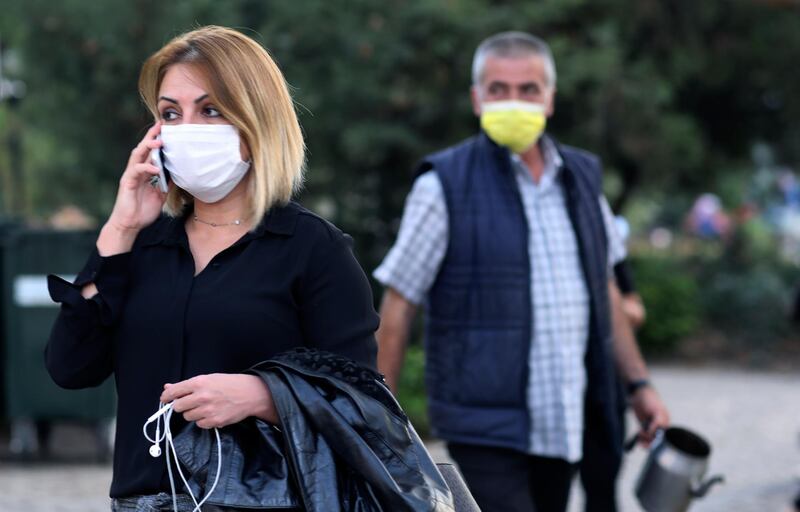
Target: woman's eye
{"type": "Point", "coordinates": [211, 112]}
{"type": "Point", "coordinates": [169, 115]}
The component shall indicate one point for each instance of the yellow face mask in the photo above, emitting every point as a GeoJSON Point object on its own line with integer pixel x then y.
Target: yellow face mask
{"type": "Point", "coordinates": [514, 124]}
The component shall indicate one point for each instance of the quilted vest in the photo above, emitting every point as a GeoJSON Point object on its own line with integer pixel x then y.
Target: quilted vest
{"type": "Point", "coordinates": [478, 311]}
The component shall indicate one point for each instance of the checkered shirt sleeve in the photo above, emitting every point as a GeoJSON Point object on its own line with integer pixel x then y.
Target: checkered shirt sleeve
{"type": "Point", "coordinates": [616, 247]}
{"type": "Point", "coordinates": [413, 262]}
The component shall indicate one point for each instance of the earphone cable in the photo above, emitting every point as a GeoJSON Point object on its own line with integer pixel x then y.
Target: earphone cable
{"type": "Point", "coordinates": [164, 414]}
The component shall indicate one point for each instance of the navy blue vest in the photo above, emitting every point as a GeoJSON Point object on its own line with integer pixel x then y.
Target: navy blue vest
{"type": "Point", "coordinates": [479, 318]}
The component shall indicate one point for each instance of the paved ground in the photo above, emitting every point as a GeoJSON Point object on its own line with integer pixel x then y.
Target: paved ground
{"type": "Point", "coordinates": [751, 418]}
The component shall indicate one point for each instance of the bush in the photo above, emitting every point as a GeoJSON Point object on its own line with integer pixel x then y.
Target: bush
{"type": "Point", "coordinates": [411, 389]}
{"type": "Point", "coordinates": [670, 295]}
{"type": "Point", "coordinates": [746, 292]}
{"type": "Point", "coordinates": [749, 306]}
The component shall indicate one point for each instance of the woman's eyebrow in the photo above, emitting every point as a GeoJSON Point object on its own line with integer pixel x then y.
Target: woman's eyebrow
{"type": "Point", "coordinates": [198, 100]}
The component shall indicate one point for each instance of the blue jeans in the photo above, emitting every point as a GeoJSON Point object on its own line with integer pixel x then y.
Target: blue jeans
{"type": "Point", "coordinates": [161, 502]}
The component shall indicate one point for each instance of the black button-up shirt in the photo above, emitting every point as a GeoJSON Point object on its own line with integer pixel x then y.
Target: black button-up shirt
{"type": "Point", "coordinates": [291, 282]}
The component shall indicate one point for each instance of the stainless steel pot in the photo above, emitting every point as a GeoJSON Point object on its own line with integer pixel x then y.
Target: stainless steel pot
{"type": "Point", "coordinates": [673, 473]}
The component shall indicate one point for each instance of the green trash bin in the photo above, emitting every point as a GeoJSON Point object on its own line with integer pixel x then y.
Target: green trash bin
{"type": "Point", "coordinates": [26, 257]}
{"type": "Point", "coordinates": [6, 225]}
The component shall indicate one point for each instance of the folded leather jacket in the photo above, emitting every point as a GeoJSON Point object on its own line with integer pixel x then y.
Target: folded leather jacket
{"type": "Point", "coordinates": [343, 443]}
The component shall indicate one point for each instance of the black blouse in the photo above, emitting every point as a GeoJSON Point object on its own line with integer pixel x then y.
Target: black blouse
{"type": "Point", "coordinates": [292, 282]}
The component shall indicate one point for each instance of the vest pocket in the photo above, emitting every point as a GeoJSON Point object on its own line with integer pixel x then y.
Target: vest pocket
{"type": "Point", "coordinates": [441, 364]}
{"type": "Point", "coordinates": [492, 367]}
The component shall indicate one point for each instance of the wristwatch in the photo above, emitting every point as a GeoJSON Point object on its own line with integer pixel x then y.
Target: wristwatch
{"type": "Point", "coordinates": [635, 385]}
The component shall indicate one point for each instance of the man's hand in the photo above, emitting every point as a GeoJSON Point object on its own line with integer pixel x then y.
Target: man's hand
{"type": "Point", "coordinates": [647, 405]}
{"type": "Point", "coordinates": [633, 307]}
{"type": "Point", "coordinates": [650, 411]}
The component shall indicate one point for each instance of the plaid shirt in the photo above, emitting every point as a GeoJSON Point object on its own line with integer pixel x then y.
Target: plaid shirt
{"type": "Point", "coordinates": [557, 377]}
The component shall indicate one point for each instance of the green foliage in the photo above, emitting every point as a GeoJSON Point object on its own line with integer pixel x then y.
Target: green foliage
{"type": "Point", "coordinates": [739, 287]}
{"type": "Point", "coordinates": [752, 245]}
{"type": "Point", "coordinates": [671, 95]}
{"type": "Point", "coordinates": [667, 95]}
{"type": "Point", "coordinates": [747, 290]}
{"type": "Point", "coordinates": [670, 294]}
{"type": "Point", "coordinates": [411, 389]}
{"type": "Point", "coordinates": [750, 306]}
{"type": "Point", "coordinates": [81, 115]}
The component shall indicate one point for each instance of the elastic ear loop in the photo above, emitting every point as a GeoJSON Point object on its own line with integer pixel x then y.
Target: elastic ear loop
{"type": "Point", "coordinates": [166, 411]}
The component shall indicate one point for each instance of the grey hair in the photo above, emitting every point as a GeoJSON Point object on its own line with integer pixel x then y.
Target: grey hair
{"type": "Point", "coordinates": [513, 45]}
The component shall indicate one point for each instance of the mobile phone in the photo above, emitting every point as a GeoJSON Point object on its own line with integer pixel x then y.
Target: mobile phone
{"type": "Point", "coordinates": [162, 180]}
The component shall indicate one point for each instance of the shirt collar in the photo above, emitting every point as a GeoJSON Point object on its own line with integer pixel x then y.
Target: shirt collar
{"type": "Point", "coordinates": [280, 220]}
{"type": "Point", "coordinates": [551, 154]}
{"type": "Point", "coordinates": [553, 162]}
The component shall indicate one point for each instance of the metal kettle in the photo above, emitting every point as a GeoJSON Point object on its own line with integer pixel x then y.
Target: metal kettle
{"type": "Point", "coordinates": [673, 474]}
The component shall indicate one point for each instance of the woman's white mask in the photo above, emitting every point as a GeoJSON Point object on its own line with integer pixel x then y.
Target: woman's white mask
{"type": "Point", "coordinates": [203, 159]}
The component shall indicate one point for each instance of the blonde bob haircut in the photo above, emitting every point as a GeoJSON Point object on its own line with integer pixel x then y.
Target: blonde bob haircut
{"type": "Point", "coordinates": [250, 91]}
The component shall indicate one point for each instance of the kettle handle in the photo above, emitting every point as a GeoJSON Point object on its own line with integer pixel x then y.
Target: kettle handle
{"type": "Point", "coordinates": [702, 489]}
{"type": "Point", "coordinates": [630, 444]}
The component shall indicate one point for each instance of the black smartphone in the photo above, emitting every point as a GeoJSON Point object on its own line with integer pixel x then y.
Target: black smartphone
{"type": "Point", "coordinates": [162, 180]}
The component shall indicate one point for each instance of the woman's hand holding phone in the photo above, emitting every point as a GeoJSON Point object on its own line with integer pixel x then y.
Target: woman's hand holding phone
{"type": "Point", "coordinates": [138, 203]}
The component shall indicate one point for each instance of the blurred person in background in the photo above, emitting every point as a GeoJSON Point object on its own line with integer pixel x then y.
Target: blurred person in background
{"type": "Point", "coordinates": [707, 219]}
{"type": "Point", "coordinates": [507, 240]}
{"type": "Point", "coordinates": [601, 462]}
{"type": "Point", "coordinates": [190, 287]}
{"type": "Point", "coordinates": [632, 303]}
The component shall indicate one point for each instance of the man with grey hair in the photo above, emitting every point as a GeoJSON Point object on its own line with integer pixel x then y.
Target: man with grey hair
{"type": "Point", "coordinates": [508, 242]}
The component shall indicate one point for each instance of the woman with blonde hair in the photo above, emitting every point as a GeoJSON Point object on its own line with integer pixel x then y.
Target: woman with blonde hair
{"type": "Point", "coordinates": [208, 267]}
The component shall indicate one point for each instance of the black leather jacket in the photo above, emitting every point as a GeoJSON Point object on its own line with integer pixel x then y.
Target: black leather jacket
{"type": "Point", "coordinates": [343, 443]}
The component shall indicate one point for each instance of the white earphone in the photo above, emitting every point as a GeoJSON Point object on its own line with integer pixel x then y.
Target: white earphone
{"type": "Point", "coordinates": [164, 414]}
{"type": "Point", "coordinates": [155, 450]}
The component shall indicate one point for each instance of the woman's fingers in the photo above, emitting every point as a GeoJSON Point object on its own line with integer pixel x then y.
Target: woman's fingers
{"type": "Point", "coordinates": [137, 204]}
{"type": "Point", "coordinates": [192, 415]}
{"type": "Point", "coordinates": [190, 400]}
{"type": "Point", "coordinates": [216, 400]}
{"type": "Point", "coordinates": [187, 403]}
{"type": "Point", "coordinates": [137, 173]}
{"type": "Point", "coordinates": [146, 169]}
{"type": "Point", "coordinates": [179, 389]}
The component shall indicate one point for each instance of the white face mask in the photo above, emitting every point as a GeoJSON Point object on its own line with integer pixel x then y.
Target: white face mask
{"type": "Point", "coordinates": [203, 159]}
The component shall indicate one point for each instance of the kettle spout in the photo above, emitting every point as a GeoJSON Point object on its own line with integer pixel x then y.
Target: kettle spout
{"type": "Point", "coordinates": [702, 489]}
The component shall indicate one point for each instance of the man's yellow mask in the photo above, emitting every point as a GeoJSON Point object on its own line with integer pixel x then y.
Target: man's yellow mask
{"type": "Point", "coordinates": [514, 124]}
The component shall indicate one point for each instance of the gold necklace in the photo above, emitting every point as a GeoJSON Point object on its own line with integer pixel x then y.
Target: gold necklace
{"type": "Point", "coordinates": [215, 224]}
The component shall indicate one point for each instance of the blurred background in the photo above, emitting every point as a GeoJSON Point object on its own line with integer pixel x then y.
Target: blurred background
{"type": "Point", "coordinates": [694, 108]}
